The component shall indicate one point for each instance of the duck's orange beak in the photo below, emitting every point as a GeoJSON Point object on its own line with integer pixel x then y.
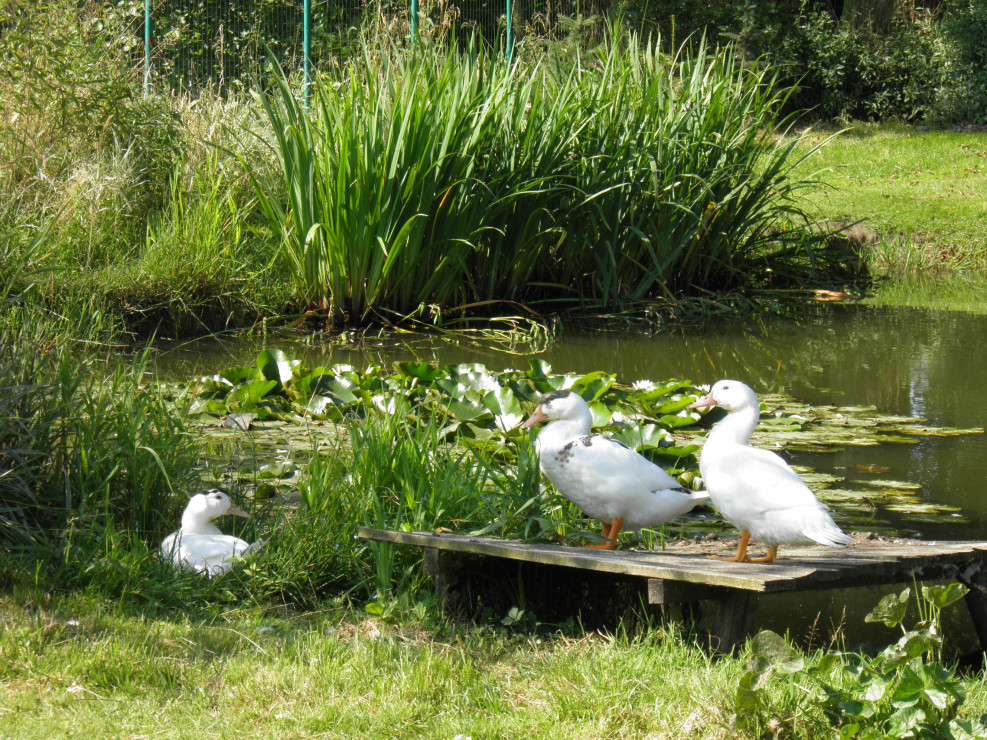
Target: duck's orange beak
{"type": "Point", "coordinates": [703, 403]}
{"type": "Point", "coordinates": [237, 511]}
{"type": "Point", "coordinates": [535, 418]}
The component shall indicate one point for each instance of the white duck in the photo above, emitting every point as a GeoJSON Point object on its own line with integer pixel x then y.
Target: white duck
{"type": "Point", "coordinates": [199, 544]}
{"type": "Point", "coordinates": [608, 481]}
{"type": "Point", "coordinates": [754, 489]}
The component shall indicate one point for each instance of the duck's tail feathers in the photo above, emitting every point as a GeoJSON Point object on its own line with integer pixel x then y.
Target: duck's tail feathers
{"type": "Point", "coordinates": [829, 534]}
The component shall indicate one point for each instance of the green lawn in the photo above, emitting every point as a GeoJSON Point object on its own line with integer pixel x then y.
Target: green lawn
{"type": "Point", "coordinates": [79, 668]}
{"type": "Point", "coordinates": [926, 189]}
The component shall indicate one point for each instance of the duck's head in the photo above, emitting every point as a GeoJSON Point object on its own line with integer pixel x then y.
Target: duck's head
{"type": "Point", "coordinates": [730, 395]}
{"type": "Point", "coordinates": [204, 507]}
{"type": "Point", "coordinates": [560, 405]}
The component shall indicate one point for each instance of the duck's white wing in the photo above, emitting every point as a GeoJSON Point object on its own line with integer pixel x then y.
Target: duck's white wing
{"type": "Point", "coordinates": [610, 463]}
{"type": "Point", "coordinates": [757, 490]}
{"type": "Point", "coordinates": [207, 553]}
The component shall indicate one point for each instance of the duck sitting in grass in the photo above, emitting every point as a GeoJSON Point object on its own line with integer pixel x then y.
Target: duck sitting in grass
{"type": "Point", "coordinates": [754, 489]}
{"type": "Point", "coordinates": [606, 480]}
{"type": "Point", "coordinates": [199, 544]}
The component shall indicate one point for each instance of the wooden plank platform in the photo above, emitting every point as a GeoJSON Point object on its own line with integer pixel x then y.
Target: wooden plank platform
{"type": "Point", "coordinates": [684, 573]}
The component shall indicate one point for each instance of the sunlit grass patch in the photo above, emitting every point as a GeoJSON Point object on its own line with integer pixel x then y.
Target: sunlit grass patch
{"type": "Point", "coordinates": [336, 672]}
{"type": "Point", "coordinates": [920, 191]}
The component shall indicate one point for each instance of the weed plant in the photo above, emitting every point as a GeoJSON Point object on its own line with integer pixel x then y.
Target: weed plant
{"type": "Point", "coordinates": [443, 178]}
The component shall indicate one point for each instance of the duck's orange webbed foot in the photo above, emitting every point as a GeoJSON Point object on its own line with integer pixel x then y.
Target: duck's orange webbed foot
{"type": "Point", "coordinates": [741, 556]}
{"type": "Point", "coordinates": [610, 531]}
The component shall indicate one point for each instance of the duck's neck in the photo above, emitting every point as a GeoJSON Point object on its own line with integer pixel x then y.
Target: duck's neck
{"type": "Point", "coordinates": [192, 524]}
{"type": "Point", "coordinates": [737, 427]}
{"type": "Point", "coordinates": [562, 431]}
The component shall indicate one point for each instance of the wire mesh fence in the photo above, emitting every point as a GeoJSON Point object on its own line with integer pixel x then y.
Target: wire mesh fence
{"type": "Point", "coordinates": [190, 44]}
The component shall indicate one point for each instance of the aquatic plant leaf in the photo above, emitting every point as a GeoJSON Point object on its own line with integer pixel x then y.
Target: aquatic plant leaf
{"type": "Point", "coordinates": [273, 364]}
{"type": "Point", "coordinates": [942, 595]}
{"type": "Point", "coordinates": [891, 609]}
{"type": "Point", "coordinates": [238, 375]}
{"type": "Point", "coordinates": [674, 451]}
{"type": "Point", "coordinates": [277, 470]}
{"type": "Point", "coordinates": [645, 436]}
{"type": "Point", "coordinates": [206, 406]}
{"type": "Point", "coordinates": [681, 419]}
{"type": "Point", "coordinates": [672, 405]}
{"type": "Point", "coordinates": [423, 371]}
{"type": "Point", "coordinates": [505, 408]}
{"type": "Point", "coordinates": [211, 385]}
{"type": "Point", "coordinates": [651, 395]}
{"type": "Point", "coordinates": [593, 385]}
{"type": "Point", "coordinates": [465, 409]}
{"type": "Point", "coordinates": [539, 375]}
{"type": "Point", "coordinates": [322, 407]}
{"type": "Point", "coordinates": [601, 414]}
{"type": "Point", "coordinates": [241, 420]}
{"type": "Point", "coordinates": [249, 394]}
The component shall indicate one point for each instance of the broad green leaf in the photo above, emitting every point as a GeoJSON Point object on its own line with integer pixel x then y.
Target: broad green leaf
{"type": "Point", "coordinates": [775, 651]}
{"type": "Point", "coordinates": [248, 394]}
{"type": "Point", "coordinates": [645, 436]}
{"type": "Point", "coordinates": [238, 375]}
{"type": "Point", "coordinates": [274, 365]}
{"type": "Point", "coordinates": [905, 722]}
{"type": "Point", "coordinates": [673, 405]}
{"type": "Point", "coordinates": [423, 371]}
{"type": "Point", "coordinates": [505, 408]}
{"type": "Point", "coordinates": [601, 414]}
{"type": "Point", "coordinates": [891, 609]}
{"type": "Point", "coordinates": [942, 596]}
{"type": "Point", "coordinates": [277, 470]}
{"type": "Point", "coordinates": [206, 406]}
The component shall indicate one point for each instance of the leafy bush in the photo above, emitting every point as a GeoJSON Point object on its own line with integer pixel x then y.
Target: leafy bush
{"type": "Point", "coordinates": [904, 691]}
{"type": "Point", "coordinates": [847, 71]}
{"type": "Point", "coordinates": [964, 94]}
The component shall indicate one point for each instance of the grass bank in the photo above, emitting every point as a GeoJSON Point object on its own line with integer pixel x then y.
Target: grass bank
{"type": "Point", "coordinates": [83, 665]}
{"type": "Point", "coordinates": [918, 194]}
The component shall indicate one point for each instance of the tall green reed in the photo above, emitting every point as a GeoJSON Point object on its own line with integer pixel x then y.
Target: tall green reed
{"type": "Point", "coordinates": [85, 447]}
{"type": "Point", "coordinates": [440, 177]}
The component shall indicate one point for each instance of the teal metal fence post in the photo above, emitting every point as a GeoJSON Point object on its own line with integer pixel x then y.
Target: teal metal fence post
{"type": "Point", "coordinates": [307, 53]}
{"type": "Point", "coordinates": [510, 30]}
{"type": "Point", "coordinates": [414, 20]}
{"type": "Point", "coordinates": [147, 47]}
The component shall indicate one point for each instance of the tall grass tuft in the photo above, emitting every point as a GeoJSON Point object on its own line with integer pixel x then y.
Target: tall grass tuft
{"type": "Point", "coordinates": [83, 447]}
{"type": "Point", "coordinates": [441, 177]}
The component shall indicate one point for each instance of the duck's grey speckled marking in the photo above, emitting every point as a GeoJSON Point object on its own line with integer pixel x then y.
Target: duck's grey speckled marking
{"type": "Point", "coordinates": [565, 453]}
{"type": "Point", "coordinates": [587, 441]}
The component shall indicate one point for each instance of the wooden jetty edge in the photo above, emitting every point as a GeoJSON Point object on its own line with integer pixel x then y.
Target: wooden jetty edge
{"type": "Point", "coordinates": [682, 575]}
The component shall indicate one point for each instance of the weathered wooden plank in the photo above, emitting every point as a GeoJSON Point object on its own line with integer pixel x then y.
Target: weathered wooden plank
{"type": "Point", "coordinates": [801, 569]}
{"type": "Point", "coordinates": [677, 592]}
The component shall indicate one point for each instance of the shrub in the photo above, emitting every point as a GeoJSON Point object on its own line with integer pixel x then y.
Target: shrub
{"type": "Point", "coordinates": [964, 92]}
{"type": "Point", "coordinates": [847, 71]}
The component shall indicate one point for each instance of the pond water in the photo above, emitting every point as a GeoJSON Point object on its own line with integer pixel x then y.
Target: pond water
{"type": "Point", "coordinates": [925, 361]}
{"type": "Point", "coordinates": [904, 361]}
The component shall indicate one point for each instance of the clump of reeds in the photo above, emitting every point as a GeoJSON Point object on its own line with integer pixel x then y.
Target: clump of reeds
{"type": "Point", "coordinates": [448, 178]}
